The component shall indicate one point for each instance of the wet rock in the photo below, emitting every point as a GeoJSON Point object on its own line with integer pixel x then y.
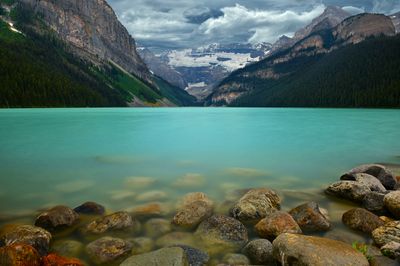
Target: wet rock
{"type": "Point", "coordinates": [350, 190]}
{"type": "Point", "coordinates": [310, 218]}
{"type": "Point", "coordinates": [383, 261]}
{"type": "Point", "coordinates": [193, 211]}
{"type": "Point", "coordinates": [391, 250]}
{"type": "Point", "coordinates": [368, 180]}
{"type": "Point", "coordinates": [90, 208]}
{"type": "Point", "coordinates": [387, 233]}
{"type": "Point", "coordinates": [362, 220]}
{"type": "Point", "coordinates": [176, 238]}
{"type": "Point", "coordinates": [293, 249]}
{"type": "Point", "coordinates": [154, 195]}
{"type": "Point", "coordinates": [386, 219]}
{"type": "Point", "coordinates": [57, 260]}
{"type": "Point", "coordinates": [255, 205]}
{"type": "Point", "coordinates": [222, 233]}
{"type": "Point", "coordinates": [235, 259]}
{"type": "Point", "coordinates": [166, 256]}
{"type": "Point", "coordinates": [19, 255]}
{"type": "Point", "coordinates": [151, 210]}
{"type": "Point", "coordinates": [141, 245]}
{"type": "Point", "coordinates": [275, 224]}
{"type": "Point", "coordinates": [107, 250]}
{"type": "Point", "coordinates": [190, 181]}
{"type": "Point", "coordinates": [29, 235]}
{"type": "Point", "coordinates": [385, 176]}
{"type": "Point", "coordinates": [196, 257]}
{"type": "Point", "coordinates": [57, 218]}
{"type": "Point", "coordinates": [68, 248]}
{"type": "Point", "coordinates": [193, 197]}
{"type": "Point", "coordinates": [139, 182]}
{"type": "Point", "coordinates": [344, 235]}
{"type": "Point", "coordinates": [112, 222]}
{"type": "Point", "coordinates": [259, 252]}
{"type": "Point", "coordinates": [374, 202]}
{"type": "Point", "coordinates": [157, 227]}
{"type": "Point", "coordinates": [392, 203]}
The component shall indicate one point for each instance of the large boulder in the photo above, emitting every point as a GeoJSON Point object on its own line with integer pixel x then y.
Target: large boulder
{"type": "Point", "coordinates": [362, 220]}
{"type": "Point", "coordinates": [385, 176]}
{"type": "Point", "coordinates": [368, 180]}
{"type": "Point", "coordinates": [29, 235]}
{"type": "Point", "coordinates": [310, 218]}
{"type": "Point", "coordinates": [392, 203]}
{"type": "Point", "coordinates": [108, 250]}
{"type": "Point", "coordinates": [19, 255]}
{"type": "Point", "coordinates": [172, 256]}
{"type": "Point", "coordinates": [374, 202]}
{"type": "Point", "coordinates": [112, 222]}
{"type": "Point", "coordinates": [90, 208]}
{"type": "Point", "coordinates": [293, 249]}
{"type": "Point", "coordinates": [351, 190]}
{"type": "Point", "coordinates": [57, 218]}
{"type": "Point", "coordinates": [275, 224]}
{"type": "Point", "coordinates": [222, 233]}
{"type": "Point", "coordinates": [256, 204]}
{"type": "Point", "coordinates": [387, 233]}
{"type": "Point", "coordinates": [259, 252]}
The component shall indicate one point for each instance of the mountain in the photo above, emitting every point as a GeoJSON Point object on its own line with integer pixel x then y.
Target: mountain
{"type": "Point", "coordinates": [73, 53]}
{"type": "Point", "coordinates": [396, 21]}
{"type": "Point", "coordinates": [307, 66]}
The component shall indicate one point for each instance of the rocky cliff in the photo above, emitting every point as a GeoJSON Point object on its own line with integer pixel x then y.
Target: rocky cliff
{"type": "Point", "coordinates": [396, 21]}
{"type": "Point", "coordinates": [93, 30]}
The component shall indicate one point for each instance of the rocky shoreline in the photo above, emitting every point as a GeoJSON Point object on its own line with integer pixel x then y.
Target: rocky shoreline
{"type": "Point", "coordinates": [255, 230]}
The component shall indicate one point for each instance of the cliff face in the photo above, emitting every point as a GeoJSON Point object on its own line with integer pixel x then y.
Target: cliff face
{"type": "Point", "coordinates": [396, 21]}
{"type": "Point", "coordinates": [93, 30]}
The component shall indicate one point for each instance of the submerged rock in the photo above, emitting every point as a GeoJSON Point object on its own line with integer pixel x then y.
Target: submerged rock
{"type": "Point", "coordinates": [259, 252]}
{"type": "Point", "coordinates": [362, 220]}
{"type": "Point", "coordinates": [351, 190]}
{"type": "Point", "coordinates": [368, 180]}
{"type": "Point", "coordinates": [374, 202]}
{"type": "Point", "coordinates": [255, 205]}
{"type": "Point", "coordinates": [19, 255]}
{"type": "Point", "coordinates": [196, 257]}
{"type": "Point", "coordinates": [310, 218]}
{"type": "Point", "coordinates": [57, 260]}
{"type": "Point", "coordinates": [29, 235]}
{"type": "Point", "coordinates": [190, 181]}
{"type": "Point", "coordinates": [157, 227]}
{"type": "Point", "coordinates": [392, 203]}
{"type": "Point", "coordinates": [383, 261]}
{"type": "Point", "coordinates": [68, 248]}
{"type": "Point", "coordinates": [166, 256]}
{"type": "Point", "coordinates": [275, 224]}
{"type": "Point", "coordinates": [112, 222]}
{"type": "Point", "coordinates": [59, 217]}
{"type": "Point", "coordinates": [385, 176]}
{"type": "Point", "coordinates": [154, 195]}
{"type": "Point", "coordinates": [293, 249]}
{"type": "Point", "coordinates": [235, 259]}
{"type": "Point", "coordinates": [176, 238]}
{"type": "Point", "coordinates": [387, 233]}
{"type": "Point", "coordinates": [107, 250]}
{"type": "Point", "coordinates": [154, 209]}
{"type": "Point", "coordinates": [391, 250]}
{"type": "Point", "coordinates": [141, 245]}
{"type": "Point", "coordinates": [91, 208]}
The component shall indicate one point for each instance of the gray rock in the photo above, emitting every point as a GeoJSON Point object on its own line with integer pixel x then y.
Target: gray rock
{"type": "Point", "coordinates": [391, 250]}
{"type": "Point", "coordinates": [112, 222]}
{"type": "Point", "coordinates": [235, 259]}
{"type": "Point", "coordinates": [255, 205]}
{"type": "Point", "coordinates": [59, 217]}
{"type": "Point", "coordinates": [259, 252]}
{"type": "Point", "coordinates": [90, 208]}
{"type": "Point", "coordinates": [310, 218]}
{"type": "Point", "coordinates": [275, 224]}
{"type": "Point", "coordinates": [374, 202]}
{"type": "Point", "coordinates": [350, 190]}
{"type": "Point", "coordinates": [67, 248]}
{"type": "Point", "coordinates": [383, 261]}
{"type": "Point", "coordinates": [368, 180]}
{"type": "Point", "coordinates": [293, 249]}
{"type": "Point", "coordinates": [172, 256]}
{"type": "Point", "coordinates": [196, 257]}
{"type": "Point", "coordinates": [392, 203]}
{"type": "Point", "coordinates": [386, 177]}
{"type": "Point", "coordinates": [157, 227]}
{"type": "Point", "coordinates": [362, 220]}
{"type": "Point", "coordinates": [387, 233]}
{"type": "Point", "coordinates": [141, 245]}
{"type": "Point", "coordinates": [108, 250]}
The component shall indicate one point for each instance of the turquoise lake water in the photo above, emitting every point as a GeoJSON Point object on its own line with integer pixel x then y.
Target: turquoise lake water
{"type": "Point", "coordinates": [114, 156]}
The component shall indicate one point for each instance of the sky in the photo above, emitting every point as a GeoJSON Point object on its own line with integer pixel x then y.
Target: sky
{"type": "Point", "coordinates": [194, 23]}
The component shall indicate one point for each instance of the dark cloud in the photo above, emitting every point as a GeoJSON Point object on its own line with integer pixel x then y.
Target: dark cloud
{"type": "Point", "coordinates": [198, 15]}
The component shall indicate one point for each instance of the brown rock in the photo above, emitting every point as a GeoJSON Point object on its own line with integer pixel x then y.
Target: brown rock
{"type": "Point", "coordinates": [157, 227]}
{"type": "Point", "coordinates": [194, 210]}
{"type": "Point", "coordinates": [310, 218]}
{"type": "Point", "coordinates": [112, 222]}
{"type": "Point", "coordinates": [108, 250]}
{"type": "Point", "coordinates": [275, 224]}
{"type": "Point", "coordinates": [19, 255]}
{"type": "Point", "coordinates": [362, 220]}
{"type": "Point", "coordinates": [387, 233]}
{"type": "Point", "coordinates": [56, 260]}
{"type": "Point", "coordinates": [91, 208]}
{"type": "Point", "coordinates": [59, 217]}
{"type": "Point", "coordinates": [392, 203]}
{"type": "Point", "coordinates": [351, 190]}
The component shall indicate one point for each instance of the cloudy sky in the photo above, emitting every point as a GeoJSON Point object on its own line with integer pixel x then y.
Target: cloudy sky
{"type": "Point", "coordinates": [193, 23]}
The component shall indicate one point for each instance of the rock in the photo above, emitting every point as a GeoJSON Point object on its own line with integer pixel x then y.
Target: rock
{"type": "Point", "coordinates": [196, 257]}
{"type": "Point", "coordinates": [392, 203]}
{"type": "Point", "coordinates": [193, 197]}
{"type": "Point", "coordinates": [386, 219]}
{"type": "Point", "coordinates": [28, 235]}
{"type": "Point", "coordinates": [176, 238]}
{"type": "Point", "coordinates": [362, 220]}
{"type": "Point", "coordinates": [383, 261]}
{"type": "Point", "coordinates": [194, 210]}
{"type": "Point", "coordinates": [368, 180]}
{"type": "Point", "coordinates": [19, 255]}
{"type": "Point", "coordinates": [57, 218]}
{"type": "Point", "coordinates": [139, 182]}
{"type": "Point", "coordinates": [387, 233]}
{"type": "Point", "coordinates": [310, 218]}
{"type": "Point", "coordinates": [112, 222]}
{"type": "Point", "coordinates": [141, 245]}
{"type": "Point", "coordinates": [235, 259]}
{"type": "Point", "coordinates": [56, 260]}
{"type": "Point", "coordinates": [374, 202]}
{"type": "Point", "coordinates": [67, 248]}
{"type": "Point", "coordinates": [391, 250]}
{"type": "Point", "coordinates": [151, 210]}
{"type": "Point", "coordinates": [259, 252]}
{"type": "Point", "coordinates": [157, 227]}
{"type": "Point", "coordinates": [386, 177]}
{"type": "Point", "coordinates": [222, 233]}
{"type": "Point", "coordinates": [190, 181]}
{"type": "Point", "coordinates": [351, 190]}
{"type": "Point", "coordinates": [275, 224]}
{"type": "Point", "coordinates": [107, 250]}
{"type": "Point", "coordinates": [172, 256]}
{"type": "Point", "coordinates": [91, 208]}
{"type": "Point", "coordinates": [255, 205]}
{"type": "Point", "coordinates": [154, 195]}
{"type": "Point", "coordinates": [342, 234]}
{"type": "Point", "coordinates": [293, 249]}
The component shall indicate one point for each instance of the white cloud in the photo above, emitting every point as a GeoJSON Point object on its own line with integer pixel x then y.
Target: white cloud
{"type": "Point", "coordinates": [354, 10]}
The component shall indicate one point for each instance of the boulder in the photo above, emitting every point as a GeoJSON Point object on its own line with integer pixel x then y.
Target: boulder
{"type": "Point", "coordinates": [362, 220]}
{"type": "Point", "coordinates": [19, 255]}
{"type": "Point", "coordinates": [310, 218]}
{"type": "Point", "coordinates": [385, 176]}
{"type": "Point", "coordinates": [157, 227]}
{"type": "Point", "coordinates": [57, 260]}
{"type": "Point", "coordinates": [235, 259]}
{"type": "Point", "coordinates": [57, 218]}
{"type": "Point", "coordinates": [275, 224]}
{"type": "Point", "coordinates": [196, 257]}
{"type": "Point", "coordinates": [108, 250]}
{"type": "Point", "coordinates": [193, 211]}
{"type": "Point", "coordinates": [392, 203]}
{"type": "Point", "coordinates": [259, 252]}
{"type": "Point", "coordinates": [141, 245]}
{"type": "Point", "coordinates": [90, 208]}
{"type": "Point", "coordinates": [29, 235]}
{"type": "Point", "coordinates": [391, 250]}
{"type": "Point", "coordinates": [176, 238]}
{"type": "Point", "coordinates": [387, 233]}
{"type": "Point", "coordinates": [293, 249]}
{"type": "Point", "coordinates": [255, 205]}
{"type": "Point", "coordinates": [383, 261]}
{"type": "Point", "coordinates": [222, 233]}
{"type": "Point", "coordinates": [67, 248]}
{"type": "Point", "coordinates": [374, 202]}
{"type": "Point", "coordinates": [351, 190]}
{"type": "Point", "coordinates": [172, 256]}
{"type": "Point", "coordinates": [112, 222]}
{"type": "Point", "coordinates": [368, 180]}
